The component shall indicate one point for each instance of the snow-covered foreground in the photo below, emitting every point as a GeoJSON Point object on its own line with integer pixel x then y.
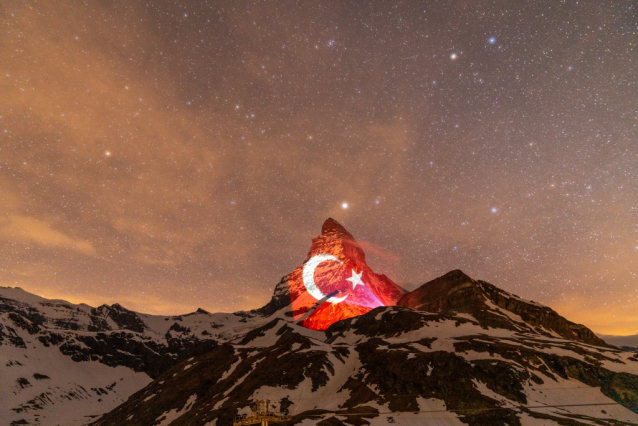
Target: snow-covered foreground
{"type": "Point", "coordinates": [62, 363]}
{"type": "Point", "coordinates": [42, 385]}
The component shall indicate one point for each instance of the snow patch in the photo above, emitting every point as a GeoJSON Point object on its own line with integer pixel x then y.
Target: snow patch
{"type": "Point", "coordinates": [575, 393]}
{"type": "Point", "coordinates": [167, 417]}
{"type": "Point", "coordinates": [482, 387]}
{"type": "Point", "coordinates": [219, 403]}
{"type": "Point", "coordinates": [241, 379]}
{"type": "Point", "coordinates": [230, 370]}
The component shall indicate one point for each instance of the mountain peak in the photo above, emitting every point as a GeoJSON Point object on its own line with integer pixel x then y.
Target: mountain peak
{"type": "Point", "coordinates": [435, 295]}
{"type": "Point", "coordinates": [333, 229]}
{"type": "Point", "coordinates": [334, 282]}
{"type": "Point", "coordinates": [493, 307]}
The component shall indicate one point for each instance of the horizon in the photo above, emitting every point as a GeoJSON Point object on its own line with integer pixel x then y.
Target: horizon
{"type": "Point", "coordinates": [256, 307]}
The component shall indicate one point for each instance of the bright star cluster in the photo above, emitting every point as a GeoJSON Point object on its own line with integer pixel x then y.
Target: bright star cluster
{"type": "Point", "coordinates": [174, 155]}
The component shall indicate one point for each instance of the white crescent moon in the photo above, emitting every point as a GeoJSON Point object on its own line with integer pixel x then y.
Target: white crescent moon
{"type": "Point", "coordinates": [309, 277]}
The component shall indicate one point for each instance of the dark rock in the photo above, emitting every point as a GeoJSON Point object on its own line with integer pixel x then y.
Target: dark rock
{"type": "Point", "coordinates": [50, 338]}
{"type": "Point", "coordinates": [280, 299]}
{"type": "Point", "coordinates": [24, 383]}
{"type": "Point", "coordinates": [39, 376]}
{"type": "Point", "coordinates": [126, 319]}
{"type": "Point", "coordinates": [9, 336]}
{"type": "Point", "coordinates": [24, 323]}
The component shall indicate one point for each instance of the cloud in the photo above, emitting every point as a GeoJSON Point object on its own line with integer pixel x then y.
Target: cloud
{"type": "Point", "coordinates": [28, 230]}
{"type": "Point", "coordinates": [371, 248]}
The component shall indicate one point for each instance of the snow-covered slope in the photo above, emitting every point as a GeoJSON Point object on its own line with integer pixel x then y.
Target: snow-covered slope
{"type": "Point", "coordinates": [395, 365]}
{"type": "Point", "coordinates": [459, 351]}
{"type": "Point", "coordinates": [61, 363]}
{"type": "Point", "coordinates": [44, 386]}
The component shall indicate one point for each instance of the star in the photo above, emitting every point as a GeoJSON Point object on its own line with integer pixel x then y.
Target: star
{"type": "Point", "coordinates": [355, 279]}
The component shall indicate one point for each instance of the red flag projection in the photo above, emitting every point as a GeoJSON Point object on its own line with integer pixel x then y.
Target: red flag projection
{"type": "Point", "coordinates": [335, 283]}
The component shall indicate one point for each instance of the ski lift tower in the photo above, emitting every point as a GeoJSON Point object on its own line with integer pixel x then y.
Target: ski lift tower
{"type": "Point", "coordinates": [261, 415]}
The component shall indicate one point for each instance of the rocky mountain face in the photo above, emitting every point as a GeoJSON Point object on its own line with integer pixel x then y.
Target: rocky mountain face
{"type": "Point", "coordinates": [454, 351]}
{"type": "Point", "coordinates": [336, 276]}
{"type": "Point", "coordinates": [455, 291]}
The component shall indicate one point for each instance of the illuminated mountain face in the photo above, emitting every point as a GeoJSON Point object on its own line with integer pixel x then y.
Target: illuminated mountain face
{"type": "Point", "coordinates": [335, 283]}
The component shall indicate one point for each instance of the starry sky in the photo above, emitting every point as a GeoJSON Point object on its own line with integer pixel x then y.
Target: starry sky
{"type": "Point", "coordinates": [174, 155]}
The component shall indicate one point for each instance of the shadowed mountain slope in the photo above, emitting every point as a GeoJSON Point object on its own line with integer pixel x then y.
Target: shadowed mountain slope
{"type": "Point", "coordinates": [455, 291]}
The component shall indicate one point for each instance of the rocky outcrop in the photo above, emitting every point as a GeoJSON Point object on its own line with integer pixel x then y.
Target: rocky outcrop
{"type": "Point", "coordinates": [455, 291]}
{"type": "Point", "coordinates": [121, 317]}
{"type": "Point", "coordinates": [538, 315]}
{"type": "Point", "coordinates": [279, 300]}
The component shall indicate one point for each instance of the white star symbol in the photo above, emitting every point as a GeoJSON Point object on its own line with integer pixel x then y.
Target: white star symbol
{"type": "Point", "coordinates": [355, 279]}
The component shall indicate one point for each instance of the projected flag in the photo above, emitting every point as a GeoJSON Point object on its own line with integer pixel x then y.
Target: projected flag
{"type": "Point", "coordinates": [335, 283]}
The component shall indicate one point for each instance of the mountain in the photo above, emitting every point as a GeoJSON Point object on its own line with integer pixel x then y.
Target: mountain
{"type": "Point", "coordinates": [62, 362]}
{"type": "Point", "coordinates": [627, 343]}
{"type": "Point", "coordinates": [454, 351]}
{"type": "Point", "coordinates": [455, 291]}
{"type": "Point", "coordinates": [336, 265]}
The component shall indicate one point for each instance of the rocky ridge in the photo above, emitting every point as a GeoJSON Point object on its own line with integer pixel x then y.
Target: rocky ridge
{"type": "Point", "coordinates": [494, 307]}
{"type": "Point", "coordinates": [454, 351]}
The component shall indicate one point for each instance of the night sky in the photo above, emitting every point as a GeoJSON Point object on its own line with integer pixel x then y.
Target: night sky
{"type": "Point", "coordinates": [176, 155]}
